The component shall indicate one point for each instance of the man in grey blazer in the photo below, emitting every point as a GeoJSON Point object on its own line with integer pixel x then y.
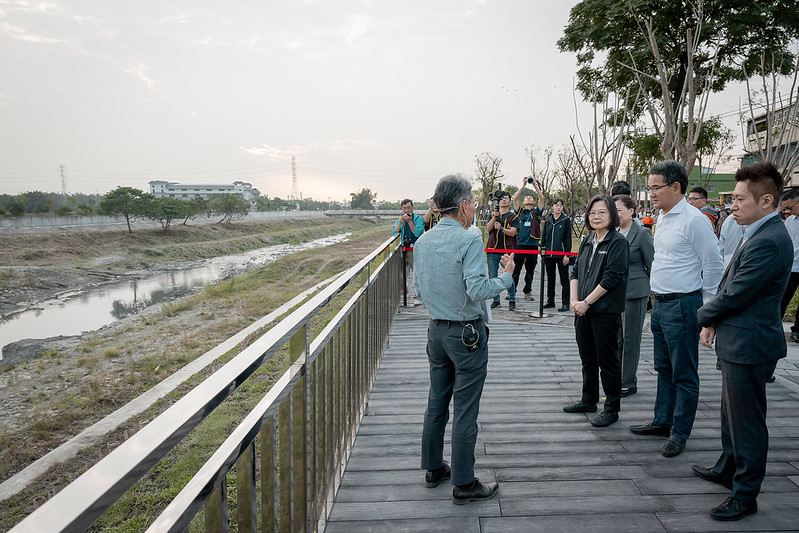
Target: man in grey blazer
{"type": "Point", "coordinates": [744, 320]}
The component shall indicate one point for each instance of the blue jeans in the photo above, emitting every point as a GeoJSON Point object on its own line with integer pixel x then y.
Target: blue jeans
{"type": "Point", "coordinates": [675, 329]}
{"type": "Point", "coordinates": [493, 272]}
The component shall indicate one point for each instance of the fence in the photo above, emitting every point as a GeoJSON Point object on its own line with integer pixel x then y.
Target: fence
{"type": "Point", "coordinates": [304, 426]}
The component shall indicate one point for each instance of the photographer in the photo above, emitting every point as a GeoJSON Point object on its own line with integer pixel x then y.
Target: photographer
{"type": "Point", "coordinates": [410, 226]}
{"type": "Point", "coordinates": [502, 227]}
{"type": "Point", "coordinates": [529, 233]}
{"type": "Point", "coordinates": [431, 216]}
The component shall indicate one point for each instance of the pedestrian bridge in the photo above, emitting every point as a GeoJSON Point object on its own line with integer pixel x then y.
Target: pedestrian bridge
{"type": "Point", "coordinates": [334, 444]}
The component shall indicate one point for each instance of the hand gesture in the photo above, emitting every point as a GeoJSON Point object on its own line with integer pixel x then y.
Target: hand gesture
{"type": "Point", "coordinates": [506, 263]}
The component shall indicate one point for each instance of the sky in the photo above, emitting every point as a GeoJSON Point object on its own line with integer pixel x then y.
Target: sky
{"type": "Point", "coordinates": [385, 95]}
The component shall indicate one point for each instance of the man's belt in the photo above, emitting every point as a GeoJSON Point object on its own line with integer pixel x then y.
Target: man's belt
{"type": "Point", "coordinates": [456, 322]}
{"type": "Point", "coordinates": [673, 295]}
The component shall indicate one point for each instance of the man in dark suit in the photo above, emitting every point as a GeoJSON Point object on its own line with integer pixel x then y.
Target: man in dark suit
{"type": "Point", "coordinates": [744, 319]}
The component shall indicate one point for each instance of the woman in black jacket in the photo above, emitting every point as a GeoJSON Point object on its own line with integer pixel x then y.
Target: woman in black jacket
{"type": "Point", "coordinates": [557, 237]}
{"type": "Point", "coordinates": [598, 294]}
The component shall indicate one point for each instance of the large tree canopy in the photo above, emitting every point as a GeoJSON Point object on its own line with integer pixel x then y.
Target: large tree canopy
{"type": "Point", "coordinates": [608, 36]}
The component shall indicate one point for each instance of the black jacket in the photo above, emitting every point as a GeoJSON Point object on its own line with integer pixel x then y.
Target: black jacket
{"type": "Point", "coordinates": [557, 234]}
{"type": "Point", "coordinates": [608, 268]}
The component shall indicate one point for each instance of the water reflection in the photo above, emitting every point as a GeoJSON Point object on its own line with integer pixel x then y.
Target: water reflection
{"type": "Point", "coordinates": [75, 313]}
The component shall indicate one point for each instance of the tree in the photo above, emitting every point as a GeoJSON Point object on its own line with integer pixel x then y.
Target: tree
{"type": "Point", "coordinates": [165, 210]}
{"type": "Point", "coordinates": [570, 171]}
{"type": "Point", "coordinates": [15, 207]}
{"type": "Point", "coordinates": [676, 53]}
{"type": "Point", "coordinates": [363, 199]}
{"type": "Point", "coordinates": [125, 201]}
{"type": "Point", "coordinates": [487, 176]}
{"type": "Point", "coordinates": [229, 206]}
{"type": "Point", "coordinates": [713, 148]}
{"type": "Point", "coordinates": [194, 207]}
{"type": "Point", "coordinates": [542, 169]}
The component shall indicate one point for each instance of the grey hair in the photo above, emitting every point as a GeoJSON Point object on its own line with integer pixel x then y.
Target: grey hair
{"type": "Point", "coordinates": [450, 192]}
{"type": "Point", "coordinates": [672, 171]}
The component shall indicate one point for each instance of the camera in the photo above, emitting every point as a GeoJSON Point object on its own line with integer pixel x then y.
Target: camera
{"type": "Point", "coordinates": [530, 180]}
{"type": "Point", "coordinates": [497, 195]}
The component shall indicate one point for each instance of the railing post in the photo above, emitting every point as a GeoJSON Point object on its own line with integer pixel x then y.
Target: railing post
{"type": "Point", "coordinates": [245, 491]}
{"type": "Point", "coordinates": [269, 476]}
{"type": "Point", "coordinates": [298, 349]}
{"type": "Point", "coordinates": [216, 510]}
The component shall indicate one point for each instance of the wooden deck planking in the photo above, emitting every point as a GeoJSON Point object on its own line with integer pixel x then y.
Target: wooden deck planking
{"type": "Point", "coordinates": [556, 471]}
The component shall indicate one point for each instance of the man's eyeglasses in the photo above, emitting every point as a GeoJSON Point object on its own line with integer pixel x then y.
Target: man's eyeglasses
{"type": "Point", "coordinates": [694, 198]}
{"type": "Point", "coordinates": [656, 188]}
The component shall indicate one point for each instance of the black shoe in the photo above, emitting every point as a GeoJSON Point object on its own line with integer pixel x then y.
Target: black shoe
{"type": "Point", "coordinates": [549, 305]}
{"type": "Point", "coordinates": [673, 447]}
{"type": "Point", "coordinates": [480, 491]}
{"type": "Point", "coordinates": [432, 478]}
{"type": "Point", "coordinates": [733, 509]}
{"type": "Point", "coordinates": [628, 391]}
{"type": "Point", "coordinates": [494, 305]}
{"type": "Point", "coordinates": [604, 419]}
{"type": "Point", "coordinates": [563, 308]}
{"type": "Point", "coordinates": [651, 429]}
{"type": "Point", "coordinates": [708, 474]}
{"type": "Point", "coordinates": [580, 407]}
{"type": "Point", "coordinates": [795, 336]}
{"type": "Point", "coordinates": [771, 379]}
{"type": "Point", "coordinates": [511, 306]}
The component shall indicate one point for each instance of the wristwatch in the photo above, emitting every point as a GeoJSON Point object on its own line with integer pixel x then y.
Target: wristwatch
{"type": "Point", "coordinates": [586, 302]}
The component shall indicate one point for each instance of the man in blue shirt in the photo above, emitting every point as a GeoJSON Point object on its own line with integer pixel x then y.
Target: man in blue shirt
{"type": "Point", "coordinates": [411, 227]}
{"type": "Point", "coordinates": [529, 233]}
{"type": "Point", "coordinates": [451, 280]}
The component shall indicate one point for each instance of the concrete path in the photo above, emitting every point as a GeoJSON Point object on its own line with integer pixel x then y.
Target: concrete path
{"type": "Point", "coordinates": [556, 471]}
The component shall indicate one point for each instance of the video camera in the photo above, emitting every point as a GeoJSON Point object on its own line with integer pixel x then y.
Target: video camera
{"type": "Point", "coordinates": [497, 195]}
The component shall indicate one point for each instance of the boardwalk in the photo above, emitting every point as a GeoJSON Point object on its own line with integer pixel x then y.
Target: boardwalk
{"type": "Point", "coordinates": [556, 471]}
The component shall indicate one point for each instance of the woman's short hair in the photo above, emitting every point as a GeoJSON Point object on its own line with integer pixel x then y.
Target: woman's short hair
{"type": "Point", "coordinates": [626, 200]}
{"type": "Point", "coordinates": [558, 201]}
{"type": "Point", "coordinates": [609, 204]}
{"type": "Point", "coordinates": [451, 190]}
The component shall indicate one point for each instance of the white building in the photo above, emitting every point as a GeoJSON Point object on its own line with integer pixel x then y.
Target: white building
{"type": "Point", "coordinates": [171, 189]}
{"type": "Point", "coordinates": [784, 143]}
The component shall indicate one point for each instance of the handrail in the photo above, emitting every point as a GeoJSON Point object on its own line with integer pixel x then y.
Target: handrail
{"type": "Point", "coordinates": [355, 356]}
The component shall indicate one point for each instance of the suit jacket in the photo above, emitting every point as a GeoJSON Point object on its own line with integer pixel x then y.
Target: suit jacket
{"type": "Point", "coordinates": [642, 252]}
{"type": "Point", "coordinates": [746, 308]}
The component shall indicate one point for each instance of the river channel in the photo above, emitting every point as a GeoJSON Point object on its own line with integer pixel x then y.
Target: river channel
{"type": "Point", "coordinates": [78, 312]}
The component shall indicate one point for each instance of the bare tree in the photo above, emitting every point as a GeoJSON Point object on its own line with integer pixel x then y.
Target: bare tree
{"type": "Point", "coordinates": [542, 168]}
{"type": "Point", "coordinates": [600, 153]}
{"type": "Point", "coordinates": [771, 126]}
{"type": "Point", "coordinates": [487, 176]}
{"type": "Point", "coordinates": [670, 117]}
{"type": "Point", "coordinates": [713, 148]}
{"type": "Point", "coordinates": [572, 178]}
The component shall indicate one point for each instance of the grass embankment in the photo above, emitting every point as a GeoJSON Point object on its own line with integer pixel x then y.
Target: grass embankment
{"type": "Point", "coordinates": [107, 370]}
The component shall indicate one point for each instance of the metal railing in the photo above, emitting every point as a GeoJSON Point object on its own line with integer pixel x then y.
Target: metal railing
{"type": "Point", "coordinates": [304, 426]}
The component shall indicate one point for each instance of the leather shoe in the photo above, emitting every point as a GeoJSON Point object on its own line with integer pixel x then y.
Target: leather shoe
{"type": "Point", "coordinates": [580, 407]}
{"type": "Point", "coordinates": [494, 305]}
{"type": "Point", "coordinates": [511, 306]}
{"type": "Point", "coordinates": [432, 478]}
{"type": "Point", "coordinates": [549, 305]}
{"type": "Point", "coordinates": [604, 419]}
{"type": "Point", "coordinates": [795, 336]}
{"type": "Point", "coordinates": [651, 429]}
{"type": "Point", "coordinates": [629, 391]}
{"type": "Point", "coordinates": [563, 308]}
{"type": "Point", "coordinates": [673, 447]}
{"type": "Point", "coordinates": [771, 379]}
{"type": "Point", "coordinates": [733, 509]}
{"type": "Point", "coordinates": [479, 491]}
{"type": "Point", "coordinates": [708, 474]}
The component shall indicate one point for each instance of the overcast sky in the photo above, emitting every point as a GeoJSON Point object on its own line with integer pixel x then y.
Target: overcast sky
{"type": "Point", "coordinates": [389, 95]}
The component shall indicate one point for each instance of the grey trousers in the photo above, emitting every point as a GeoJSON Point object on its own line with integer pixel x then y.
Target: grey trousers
{"type": "Point", "coordinates": [631, 326]}
{"type": "Point", "coordinates": [455, 374]}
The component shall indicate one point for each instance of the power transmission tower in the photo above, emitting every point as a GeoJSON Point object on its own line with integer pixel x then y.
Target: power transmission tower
{"type": "Point", "coordinates": [295, 190]}
{"type": "Point", "coordinates": [63, 172]}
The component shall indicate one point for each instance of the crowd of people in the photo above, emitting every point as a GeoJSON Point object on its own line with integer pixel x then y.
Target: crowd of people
{"type": "Point", "coordinates": [709, 279]}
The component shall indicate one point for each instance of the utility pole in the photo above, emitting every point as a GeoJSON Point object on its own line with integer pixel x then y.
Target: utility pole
{"type": "Point", "coordinates": [63, 172]}
{"type": "Point", "coordinates": [295, 190]}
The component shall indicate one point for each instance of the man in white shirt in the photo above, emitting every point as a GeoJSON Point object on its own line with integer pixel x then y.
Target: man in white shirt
{"type": "Point", "coordinates": [685, 273]}
{"type": "Point", "coordinates": [790, 207]}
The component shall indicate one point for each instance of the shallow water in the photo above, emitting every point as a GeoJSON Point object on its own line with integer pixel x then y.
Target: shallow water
{"type": "Point", "coordinates": [75, 313]}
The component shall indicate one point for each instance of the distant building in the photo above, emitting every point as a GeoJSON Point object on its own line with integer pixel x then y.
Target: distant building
{"type": "Point", "coordinates": [181, 191]}
{"type": "Point", "coordinates": [756, 129]}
